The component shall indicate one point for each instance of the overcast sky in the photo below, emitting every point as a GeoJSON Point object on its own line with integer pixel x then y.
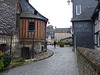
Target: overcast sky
{"type": "Point", "coordinates": [58, 12]}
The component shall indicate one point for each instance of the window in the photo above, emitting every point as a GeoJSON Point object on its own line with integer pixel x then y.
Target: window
{"type": "Point", "coordinates": [63, 34]}
{"type": "Point", "coordinates": [55, 34]}
{"type": "Point", "coordinates": [96, 20]}
{"type": "Point", "coordinates": [52, 35]}
{"type": "Point", "coordinates": [98, 39]}
{"type": "Point", "coordinates": [78, 9]}
{"type": "Point", "coordinates": [35, 12]}
{"type": "Point", "coordinates": [58, 34]}
{"type": "Point", "coordinates": [31, 26]}
{"type": "Point", "coordinates": [50, 32]}
{"type": "Point", "coordinates": [95, 39]}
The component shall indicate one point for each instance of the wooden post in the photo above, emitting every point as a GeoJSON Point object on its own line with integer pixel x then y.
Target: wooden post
{"type": "Point", "coordinates": [24, 41]}
{"type": "Point", "coordinates": [32, 47]}
{"type": "Point", "coordinates": [11, 44]}
{"type": "Point", "coordinates": [23, 48]}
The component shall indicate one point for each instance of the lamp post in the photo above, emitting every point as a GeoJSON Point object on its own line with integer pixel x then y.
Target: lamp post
{"type": "Point", "coordinates": [68, 2]}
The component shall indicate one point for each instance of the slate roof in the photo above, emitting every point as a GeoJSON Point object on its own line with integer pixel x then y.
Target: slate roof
{"type": "Point", "coordinates": [28, 11]}
{"type": "Point", "coordinates": [95, 13]}
{"type": "Point", "coordinates": [67, 38]}
{"type": "Point", "coordinates": [7, 17]}
{"type": "Point", "coordinates": [68, 30]}
{"type": "Point", "coordinates": [86, 15]}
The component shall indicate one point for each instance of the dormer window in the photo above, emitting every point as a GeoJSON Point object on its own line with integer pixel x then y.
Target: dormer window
{"type": "Point", "coordinates": [78, 9]}
{"type": "Point", "coordinates": [35, 12]}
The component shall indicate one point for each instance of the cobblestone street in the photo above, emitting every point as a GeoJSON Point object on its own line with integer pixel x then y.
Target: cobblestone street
{"type": "Point", "coordinates": [63, 62]}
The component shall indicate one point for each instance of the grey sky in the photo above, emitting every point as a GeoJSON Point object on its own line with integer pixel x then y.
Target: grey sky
{"type": "Point", "coordinates": [58, 12]}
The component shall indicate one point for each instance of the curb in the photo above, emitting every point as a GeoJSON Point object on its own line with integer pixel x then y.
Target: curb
{"type": "Point", "coordinates": [38, 57]}
{"type": "Point", "coordinates": [47, 56]}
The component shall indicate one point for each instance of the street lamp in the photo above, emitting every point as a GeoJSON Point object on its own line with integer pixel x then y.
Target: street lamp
{"type": "Point", "coordinates": [68, 2]}
{"type": "Point", "coordinates": [48, 21]}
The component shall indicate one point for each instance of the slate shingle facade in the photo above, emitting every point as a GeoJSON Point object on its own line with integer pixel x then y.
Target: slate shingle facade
{"type": "Point", "coordinates": [82, 25]}
{"type": "Point", "coordinates": [96, 22]}
{"type": "Point", "coordinates": [7, 16]}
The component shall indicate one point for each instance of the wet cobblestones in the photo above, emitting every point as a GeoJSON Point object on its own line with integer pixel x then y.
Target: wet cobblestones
{"type": "Point", "coordinates": [63, 62]}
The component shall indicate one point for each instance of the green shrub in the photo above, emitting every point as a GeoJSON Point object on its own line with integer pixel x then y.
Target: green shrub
{"type": "Point", "coordinates": [6, 59]}
{"type": "Point", "coordinates": [1, 63]}
{"type": "Point", "coordinates": [61, 44]}
{"type": "Point", "coordinates": [66, 43]}
{"type": "Point", "coordinates": [19, 60]}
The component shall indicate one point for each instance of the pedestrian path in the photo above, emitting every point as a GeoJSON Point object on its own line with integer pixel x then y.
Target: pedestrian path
{"type": "Point", "coordinates": [63, 62]}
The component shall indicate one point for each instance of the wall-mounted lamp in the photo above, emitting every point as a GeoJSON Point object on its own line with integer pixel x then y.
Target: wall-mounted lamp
{"type": "Point", "coordinates": [68, 2]}
{"type": "Point", "coordinates": [48, 21]}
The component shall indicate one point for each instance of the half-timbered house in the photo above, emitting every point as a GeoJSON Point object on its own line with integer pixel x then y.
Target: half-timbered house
{"type": "Point", "coordinates": [32, 25]}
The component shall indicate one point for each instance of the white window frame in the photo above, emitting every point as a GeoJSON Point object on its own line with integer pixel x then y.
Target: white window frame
{"type": "Point", "coordinates": [98, 39]}
{"type": "Point", "coordinates": [52, 35]}
{"type": "Point", "coordinates": [78, 9]}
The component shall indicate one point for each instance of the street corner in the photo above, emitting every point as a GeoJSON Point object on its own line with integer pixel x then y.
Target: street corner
{"type": "Point", "coordinates": [44, 55]}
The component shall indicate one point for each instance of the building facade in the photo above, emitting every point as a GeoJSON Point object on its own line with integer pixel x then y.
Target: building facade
{"type": "Point", "coordinates": [21, 20]}
{"type": "Point", "coordinates": [7, 21]}
{"type": "Point", "coordinates": [61, 33]}
{"type": "Point", "coordinates": [49, 33]}
{"type": "Point", "coordinates": [96, 21]}
{"type": "Point", "coordinates": [32, 25]}
{"type": "Point", "coordinates": [52, 34]}
{"type": "Point", "coordinates": [82, 25]}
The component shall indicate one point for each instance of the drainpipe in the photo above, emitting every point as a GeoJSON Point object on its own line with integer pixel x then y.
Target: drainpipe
{"type": "Point", "coordinates": [75, 43]}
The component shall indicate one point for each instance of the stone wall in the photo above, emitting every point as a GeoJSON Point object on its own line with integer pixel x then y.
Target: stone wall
{"type": "Point", "coordinates": [88, 61]}
{"type": "Point", "coordinates": [7, 16]}
{"type": "Point", "coordinates": [39, 45]}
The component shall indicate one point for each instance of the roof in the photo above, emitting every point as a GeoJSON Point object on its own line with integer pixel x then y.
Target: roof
{"type": "Point", "coordinates": [28, 11]}
{"type": "Point", "coordinates": [68, 30]}
{"type": "Point", "coordinates": [95, 13]}
{"type": "Point", "coordinates": [67, 38]}
{"type": "Point", "coordinates": [86, 15]}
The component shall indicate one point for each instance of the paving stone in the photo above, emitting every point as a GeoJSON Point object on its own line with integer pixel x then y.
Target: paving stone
{"type": "Point", "coordinates": [63, 62]}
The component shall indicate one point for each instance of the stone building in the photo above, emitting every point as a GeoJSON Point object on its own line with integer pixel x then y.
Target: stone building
{"type": "Point", "coordinates": [61, 33]}
{"type": "Point", "coordinates": [82, 25]}
{"type": "Point", "coordinates": [96, 22]}
{"type": "Point", "coordinates": [7, 20]}
{"type": "Point", "coordinates": [52, 34]}
{"type": "Point", "coordinates": [49, 33]}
